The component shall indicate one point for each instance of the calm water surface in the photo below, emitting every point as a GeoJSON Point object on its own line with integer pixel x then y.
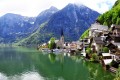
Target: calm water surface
{"type": "Point", "coordinates": [18, 63]}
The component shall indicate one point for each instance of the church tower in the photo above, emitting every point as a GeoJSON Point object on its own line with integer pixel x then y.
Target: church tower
{"type": "Point", "coordinates": [62, 38]}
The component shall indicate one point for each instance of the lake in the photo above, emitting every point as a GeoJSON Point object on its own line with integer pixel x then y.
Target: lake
{"type": "Point", "coordinates": [20, 63]}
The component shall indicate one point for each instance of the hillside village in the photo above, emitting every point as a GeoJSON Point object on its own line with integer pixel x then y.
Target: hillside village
{"type": "Point", "coordinates": [102, 45]}
{"type": "Point", "coordinates": [102, 37]}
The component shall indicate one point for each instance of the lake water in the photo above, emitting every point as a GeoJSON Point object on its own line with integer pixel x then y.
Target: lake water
{"type": "Point", "coordinates": [18, 63]}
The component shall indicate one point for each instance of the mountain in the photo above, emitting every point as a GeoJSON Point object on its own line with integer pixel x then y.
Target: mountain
{"type": "Point", "coordinates": [112, 16]}
{"type": "Point", "coordinates": [14, 27]}
{"type": "Point", "coordinates": [72, 19]}
{"type": "Point", "coordinates": [35, 38]}
{"type": "Point", "coordinates": [45, 15]}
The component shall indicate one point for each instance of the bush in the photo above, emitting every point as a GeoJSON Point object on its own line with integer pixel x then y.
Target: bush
{"type": "Point", "coordinates": [117, 77]}
{"type": "Point", "coordinates": [105, 49]}
{"type": "Point", "coordinates": [94, 57]}
{"type": "Point", "coordinates": [88, 50]}
{"type": "Point", "coordinates": [114, 64]}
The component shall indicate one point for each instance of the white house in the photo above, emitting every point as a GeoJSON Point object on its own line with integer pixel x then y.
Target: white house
{"type": "Point", "coordinates": [108, 58]}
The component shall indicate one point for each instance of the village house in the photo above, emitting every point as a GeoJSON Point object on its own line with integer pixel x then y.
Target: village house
{"type": "Point", "coordinates": [97, 29]}
{"type": "Point", "coordinates": [98, 34]}
{"type": "Point", "coordinates": [115, 30]}
{"type": "Point", "coordinates": [85, 42]}
{"type": "Point", "coordinates": [115, 35]}
{"type": "Point", "coordinates": [67, 45]}
{"type": "Point", "coordinates": [79, 47]}
{"type": "Point", "coordinates": [113, 39]}
{"type": "Point", "coordinates": [75, 45]}
{"type": "Point", "coordinates": [108, 57]}
{"type": "Point", "coordinates": [98, 43]}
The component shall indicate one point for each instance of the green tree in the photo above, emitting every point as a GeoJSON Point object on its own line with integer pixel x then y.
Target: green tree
{"type": "Point", "coordinates": [118, 21]}
{"type": "Point", "coordinates": [114, 19]}
{"type": "Point", "coordinates": [95, 57]}
{"type": "Point", "coordinates": [101, 19]}
{"type": "Point", "coordinates": [85, 34]}
{"type": "Point", "coordinates": [117, 77]}
{"type": "Point", "coordinates": [105, 49]}
{"type": "Point", "coordinates": [88, 50]}
{"type": "Point", "coordinates": [105, 23]}
{"type": "Point", "coordinates": [116, 3]}
{"type": "Point", "coordinates": [112, 16]}
{"type": "Point", "coordinates": [52, 44]}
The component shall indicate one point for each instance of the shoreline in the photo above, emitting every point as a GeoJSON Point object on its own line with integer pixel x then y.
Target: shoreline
{"type": "Point", "coordinates": [110, 69]}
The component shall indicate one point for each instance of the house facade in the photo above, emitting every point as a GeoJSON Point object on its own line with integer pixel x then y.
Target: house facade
{"type": "Point", "coordinates": [98, 43]}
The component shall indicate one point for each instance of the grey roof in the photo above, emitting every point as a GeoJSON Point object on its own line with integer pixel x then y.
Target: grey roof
{"type": "Point", "coordinates": [98, 40]}
{"type": "Point", "coordinates": [96, 26]}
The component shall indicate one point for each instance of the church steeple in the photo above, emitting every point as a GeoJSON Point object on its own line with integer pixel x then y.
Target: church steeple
{"type": "Point", "coordinates": [62, 38]}
{"type": "Point", "coordinates": [62, 32]}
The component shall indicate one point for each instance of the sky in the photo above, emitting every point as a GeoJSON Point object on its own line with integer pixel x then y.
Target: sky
{"type": "Point", "coordinates": [32, 8]}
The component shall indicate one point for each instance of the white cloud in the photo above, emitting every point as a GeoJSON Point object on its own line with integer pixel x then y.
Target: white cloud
{"type": "Point", "coordinates": [34, 7]}
{"type": "Point", "coordinates": [99, 5]}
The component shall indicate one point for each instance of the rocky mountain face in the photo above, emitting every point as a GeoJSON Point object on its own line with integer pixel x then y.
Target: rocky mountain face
{"type": "Point", "coordinates": [45, 15]}
{"type": "Point", "coordinates": [73, 19]}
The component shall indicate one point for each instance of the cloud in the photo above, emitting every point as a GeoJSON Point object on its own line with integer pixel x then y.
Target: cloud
{"type": "Point", "coordinates": [98, 5]}
{"type": "Point", "coordinates": [34, 7]}
{"type": "Point", "coordinates": [23, 7]}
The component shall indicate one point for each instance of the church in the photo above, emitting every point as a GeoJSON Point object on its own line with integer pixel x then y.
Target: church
{"type": "Point", "coordinates": [60, 43]}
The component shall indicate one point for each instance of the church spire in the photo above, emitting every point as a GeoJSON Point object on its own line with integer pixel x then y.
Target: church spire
{"type": "Point", "coordinates": [62, 39]}
{"type": "Point", "coordinates": [62, 32]}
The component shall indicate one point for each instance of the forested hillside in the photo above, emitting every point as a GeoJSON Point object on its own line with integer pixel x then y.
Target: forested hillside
{"type": "Point", "coordinates": [112, 16]}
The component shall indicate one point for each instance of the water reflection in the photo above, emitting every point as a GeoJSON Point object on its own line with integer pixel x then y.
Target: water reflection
{"type": "Point", "coordinates": [56, 57]}
{"type": "Point", "coordinates": [23, 76]}
{"type": "Point", "coordinates": [29, 64]}
{"type": "Point", "coordinates": [3, 77]}
{"type": "Point", "coordinates": [52, 57]}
